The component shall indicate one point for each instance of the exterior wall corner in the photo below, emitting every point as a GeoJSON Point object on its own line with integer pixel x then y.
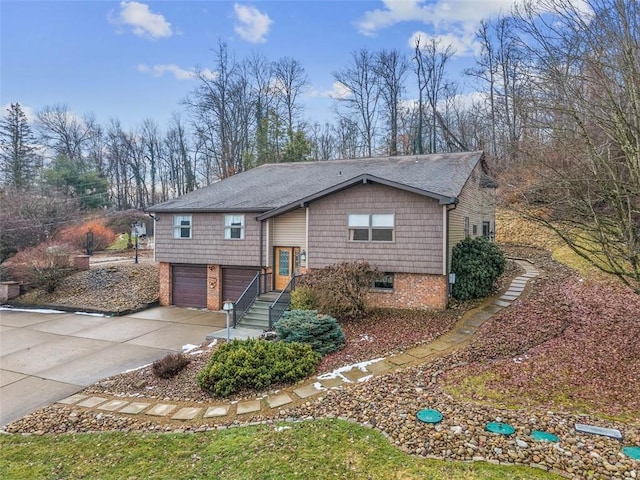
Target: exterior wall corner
{"type": "Point", "coordinates": [164, 297]}
{"type": "Point", "coordinates": [214, 287]}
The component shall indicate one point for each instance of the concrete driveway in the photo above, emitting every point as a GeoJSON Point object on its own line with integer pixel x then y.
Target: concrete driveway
{"type": "Point", "coordinates": [45, 357]}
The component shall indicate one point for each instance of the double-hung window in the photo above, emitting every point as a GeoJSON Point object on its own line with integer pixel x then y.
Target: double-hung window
{"type": "Point", "coordinates": [182, 226]}
{"type": "Point", "coordinates": [234, 227]}
{"type": "Point", "coordinates": [376, 227]}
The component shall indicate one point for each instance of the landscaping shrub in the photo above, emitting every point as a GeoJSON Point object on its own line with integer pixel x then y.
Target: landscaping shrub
{"type": "Point", "coordinates": [170, 365]}
{"type": "Point", "coordinates": [44, 265]}
{"type": "Point", "coordinates": [477, 264]}
{"type": "Point", "coordinates": [303, 298]}
{"type": "Point", "coordinates": [322, 332]}
{"type": "Point", "coordinates": [341, 290]}
{"type": "Point", "coordinates": [76, 235]}
{"type": "Point", "coordinates": [256, 364]}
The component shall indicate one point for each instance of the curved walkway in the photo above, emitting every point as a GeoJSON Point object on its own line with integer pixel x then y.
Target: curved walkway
{"type": "Point", "coordinates": [461, 333]}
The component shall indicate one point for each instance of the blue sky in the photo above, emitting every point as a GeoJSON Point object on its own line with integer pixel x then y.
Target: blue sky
{"type": "Point", "coordinates": [133, 60]}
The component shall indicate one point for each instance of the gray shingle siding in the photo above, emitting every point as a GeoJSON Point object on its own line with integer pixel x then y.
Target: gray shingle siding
{"type": "Point", "coordinates": [418, 243]}
{"type": "Point", "coordinates": [475, 202]}
{"type": "Point", "coordinates": [207, 244]}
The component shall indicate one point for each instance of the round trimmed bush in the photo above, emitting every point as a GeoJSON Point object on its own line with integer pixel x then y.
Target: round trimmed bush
{"type": "Point", "coordinates": [477, 264]}
{"type": "Point", "coordinates": [256, 364]}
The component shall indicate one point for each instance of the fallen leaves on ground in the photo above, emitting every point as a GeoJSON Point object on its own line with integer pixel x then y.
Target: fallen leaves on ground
{"type": "Point", "coordinates": [571, 343]}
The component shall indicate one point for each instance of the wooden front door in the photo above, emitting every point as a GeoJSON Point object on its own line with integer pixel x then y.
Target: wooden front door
{"type": "Point", "coordinates": [286, 264]}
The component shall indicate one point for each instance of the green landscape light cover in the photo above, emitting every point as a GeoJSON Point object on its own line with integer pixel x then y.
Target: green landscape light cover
{"type": "Point", "coordinates": [632, 452]}
{"type": "Point", "coordinates": [429, 416]}
{"type": "Point", "coordinates": [501, 428]}
{"type": "Point", "coordinates": [541, 436]}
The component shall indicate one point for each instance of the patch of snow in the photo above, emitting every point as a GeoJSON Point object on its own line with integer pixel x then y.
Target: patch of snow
{"type": "Point", "coordinates": [188, 347]}
{"type": "Point", "coordinates": [137, 368]}
{"type": "Point", "coordinates": [214, 343]}
{"type": "Point", "coordinates": [280, 429]}
{"type": "Point", "coordinates": [32, 310]}
{"type": "Point", "coordinates": [366, 338]}
{"type": "Point", "coordinates": [318, 386]}
{"type": "Point", "coordinates": [338, 372]}
{"type": "Point", "coordinates": [365, 378]}
{"type": "Point", "coordinates": [521, 359]}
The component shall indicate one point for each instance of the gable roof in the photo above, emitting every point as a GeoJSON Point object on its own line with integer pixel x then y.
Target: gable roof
{"type": "Point", "coordinates": [277, 187]}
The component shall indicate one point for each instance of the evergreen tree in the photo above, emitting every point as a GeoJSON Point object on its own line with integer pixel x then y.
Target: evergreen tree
{"type": "Point", "coordinates": [19, 159]}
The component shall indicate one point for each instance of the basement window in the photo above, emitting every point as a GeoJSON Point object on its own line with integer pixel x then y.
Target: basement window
{"type": "Point", "coordinates": [385, 282]}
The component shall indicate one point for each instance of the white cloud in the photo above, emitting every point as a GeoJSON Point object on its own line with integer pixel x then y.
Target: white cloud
{"type": "Point", "coordinates": [339, 91]}
{"type": "Point", "coordinates": [462, 44]}
{"type": "Point", "coordinates": [251, 24]}
{"type": "Point", "coordinates": [454, 22]}
{"type": "Point", "coordinates": [142, 20]}
{"type": "Point", "coordinates": [28, 111]}
{"type": "Point", "coordinates": [173, 69]}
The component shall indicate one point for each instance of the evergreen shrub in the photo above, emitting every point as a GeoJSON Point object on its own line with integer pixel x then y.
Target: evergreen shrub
{"type": "Point", "coordinates": [256, 364]}
{"type": "Point", "coordinates": [477, 264]}
{"type": "Point", "coordinates": [322, 332]}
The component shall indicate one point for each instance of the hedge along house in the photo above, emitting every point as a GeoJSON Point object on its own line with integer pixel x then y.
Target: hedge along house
{"type": "Point", "coordinates": [401, 214]}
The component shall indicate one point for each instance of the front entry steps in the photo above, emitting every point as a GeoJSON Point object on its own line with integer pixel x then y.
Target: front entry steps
{"type": "Point", "coordinates": [258, 315]}
{"type": "Point", "coordinates": [254, 322]}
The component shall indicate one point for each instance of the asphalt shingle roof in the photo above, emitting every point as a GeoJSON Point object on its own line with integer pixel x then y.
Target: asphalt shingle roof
{"type": "Point", "coordinates": [274, 186]}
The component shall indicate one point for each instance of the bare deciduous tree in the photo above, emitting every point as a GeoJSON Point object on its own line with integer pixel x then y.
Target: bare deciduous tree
{"type": "Point", "coordinates": [586, 80]}
{"type": "Point", "coordinates": [391, 68]}
{"type": "Point", "coordinates": [430, 62]}
{"type": "Point", "coordinates": [363, 91]}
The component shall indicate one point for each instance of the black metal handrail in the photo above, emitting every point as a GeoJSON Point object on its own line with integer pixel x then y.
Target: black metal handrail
{"type": "Point", "coordinates": [258, 285]}
{"type": "Point", "coordinates": [278, 307]}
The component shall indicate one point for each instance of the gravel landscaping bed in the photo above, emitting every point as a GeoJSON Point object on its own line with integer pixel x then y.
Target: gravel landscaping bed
{"type": "Point", "coordinates": [536, 345]}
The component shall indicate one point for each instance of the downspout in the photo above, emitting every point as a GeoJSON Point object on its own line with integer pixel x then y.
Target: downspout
{"type": "Point", "coordinates": [260, 286]}
{"type": "Point", "coordinates": [261, 242]}
{"type": "Point", "coordinates": [448, 208]}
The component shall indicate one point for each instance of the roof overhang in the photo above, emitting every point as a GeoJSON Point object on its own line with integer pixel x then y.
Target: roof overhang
{"type": "Point", "coordinates": [360, 179]}
{"type": "Point", "coordinates": [206, 210]}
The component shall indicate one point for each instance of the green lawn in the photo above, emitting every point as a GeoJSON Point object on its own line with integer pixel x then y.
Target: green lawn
{"type": "Point", "coordinates": [308, 450]}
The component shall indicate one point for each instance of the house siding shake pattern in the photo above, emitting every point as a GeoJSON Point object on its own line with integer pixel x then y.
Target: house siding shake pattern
{"type": "Point", "coordinates": [333, 212]}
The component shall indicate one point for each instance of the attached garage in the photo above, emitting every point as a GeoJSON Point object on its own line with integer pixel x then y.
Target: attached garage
{"type": "Point", "coordinates": [235, 281]}
{"type": "Point", "coordinates": [189, 285]}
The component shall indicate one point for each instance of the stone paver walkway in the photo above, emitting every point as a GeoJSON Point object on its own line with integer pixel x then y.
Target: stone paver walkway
{"type": "Point", "coordinates": [461, 333]}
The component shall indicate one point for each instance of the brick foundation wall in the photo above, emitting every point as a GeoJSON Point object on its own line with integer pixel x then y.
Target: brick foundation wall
{"type": "Point", "coordinates": [413, 291]}
{"type": "Point", "coordinates": [165, 284]}
{"type": "Point", "coordinates": [214, 287]}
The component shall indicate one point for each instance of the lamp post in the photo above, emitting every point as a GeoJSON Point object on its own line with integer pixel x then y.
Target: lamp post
{"type": "Point", "coordinates": [228, 307]}
{"type": "Point", "coordinates": [134, 231]}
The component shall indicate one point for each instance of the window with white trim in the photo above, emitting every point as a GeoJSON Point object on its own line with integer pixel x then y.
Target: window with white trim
{"type": "Point", "coordinates": [375, 227]}
{"type": "Point", "coordinates": [182, 226]}
{"type": "Point", "coordinates": [234, 227]}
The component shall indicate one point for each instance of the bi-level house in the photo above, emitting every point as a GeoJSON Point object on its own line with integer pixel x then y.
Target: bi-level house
{"type": "Point", "coordinates": [401, 214]}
